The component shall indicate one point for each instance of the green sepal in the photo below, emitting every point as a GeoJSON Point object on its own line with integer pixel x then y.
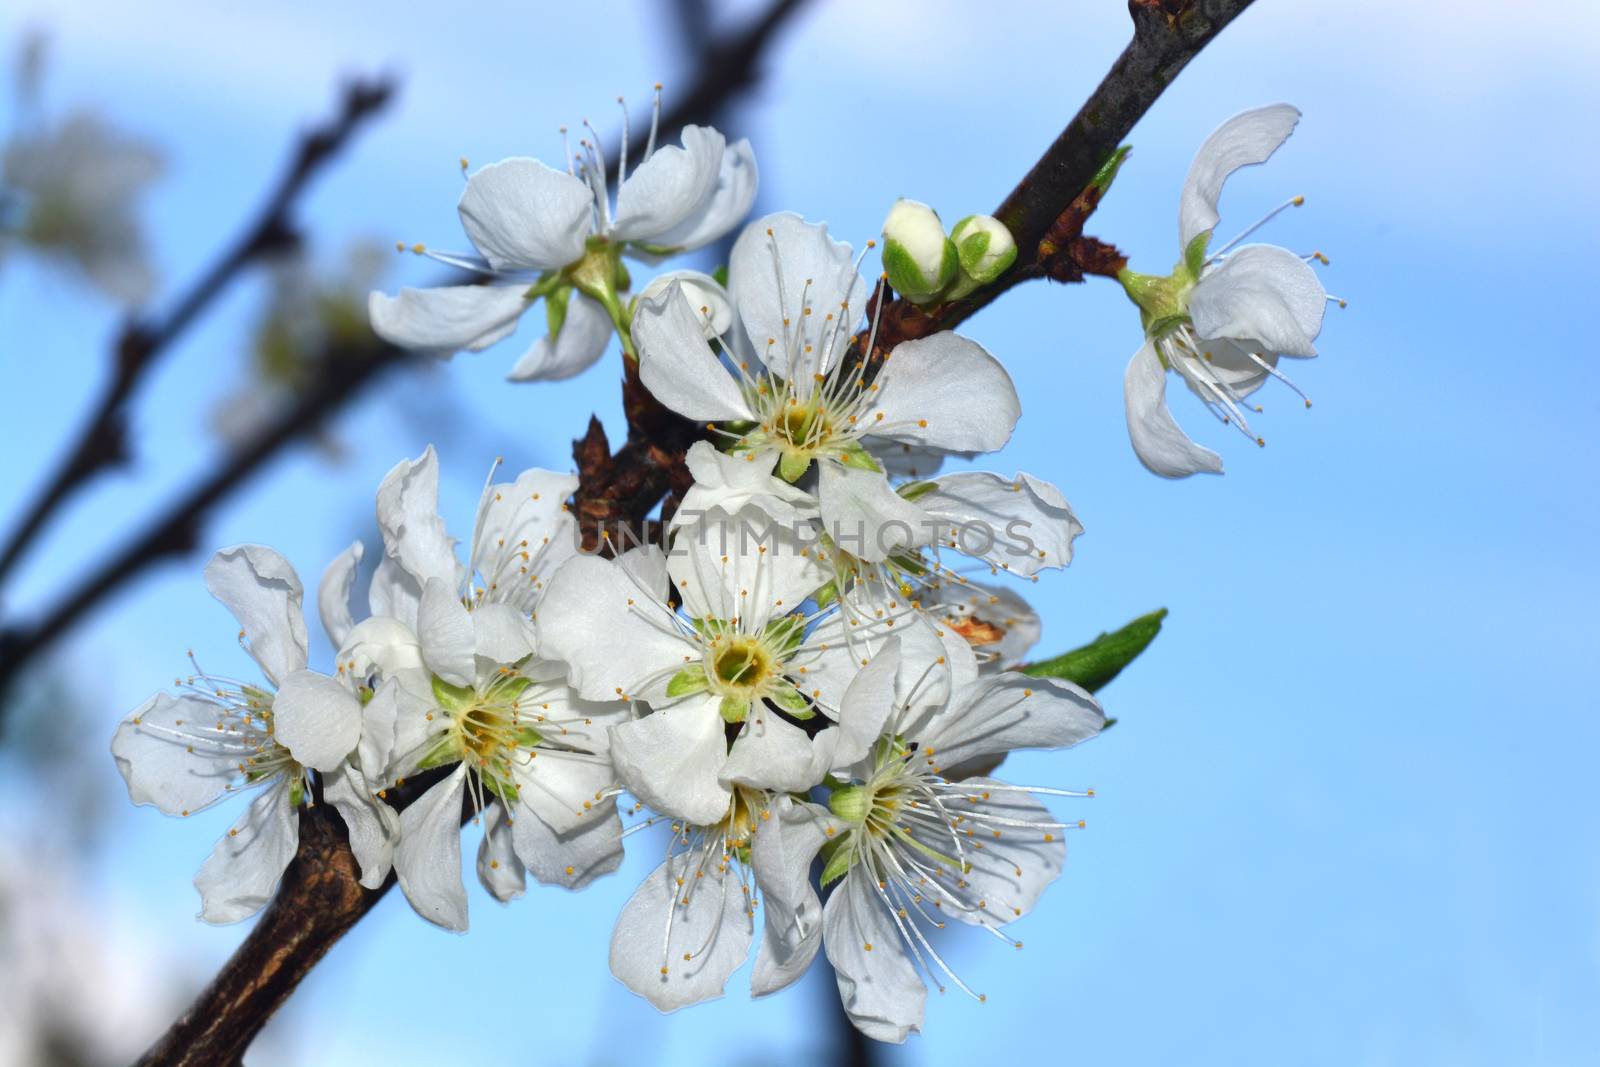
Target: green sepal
{"type": "Point", "coordinates": [858, 457]}
{"type": "Point", "coordinates": [1194, 256]}
{"type": "Point", "coordinates": [721, 275]}
{"type": "Point", "coordinates": [826, 595]}
{"type": "Point", "coordinates": [791, 466]}
{"type": "Point", "coordinates": [784, 635]}
{"type": "Point", "coordinates": [365, 694]}
{"type": "Point", "coordinates": [506, 791]}
{"type": "Point", "coordinates": [837, 863]}
{"type": "Point", "coordinates": [916, 490]}
{"type": "Point", "coordinates": [691, 679]}
{"type": "Point", "coordinates": [793, 702]}
{"type": "Point", "coordinates": [734, 709]}
{"type": "Point", "coordinates": [452, 697]}
{"type": "Point", "coordinates": [654, 249]}
{"type": "Point", "coordinates": [528, 737]}
{"type": "Point", "coordinates": [555, 311]}
{"type": "Point", "coordinates": [1095, 664]}
{"type": "Point", "coordinates": [1101, 182]}
{"type": "Point", "coordinates": [297, 792]}
{"type": "Point", "coordinates": [907, 278]}
{"type": "Point", "coordinates": [444, 750]}
{"type": "Point", "coordinates": [549, 282]}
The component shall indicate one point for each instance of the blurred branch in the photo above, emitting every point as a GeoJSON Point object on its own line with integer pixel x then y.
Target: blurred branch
{"type": "Point", "coordinates": [103, 442]}
{"type": "Point", "coordinates": [345, 372]}
{"type": "Point", "coordinates": [320, 897]}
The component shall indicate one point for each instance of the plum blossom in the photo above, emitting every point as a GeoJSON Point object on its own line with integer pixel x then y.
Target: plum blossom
{"type": "Point", "coordinates": [183, 751]}
{"type": "Point", "coordinates": [560, 236]}
{"type": "Point", "coordinates": [1221, 320]}
{"type": "Point", "coordinates": [455, 644]}
{"type": "Point", "coordinates": [915, 849]}
{"type": "Point", "coordinates": [789, 386]}
{"type": "Point", "coordinates": [70, 191]}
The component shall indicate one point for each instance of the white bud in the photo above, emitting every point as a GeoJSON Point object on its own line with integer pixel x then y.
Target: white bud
{"type": "Point", "coordinates": [984, 246]}
{"type": "Point", "coordinates": [918, 257]}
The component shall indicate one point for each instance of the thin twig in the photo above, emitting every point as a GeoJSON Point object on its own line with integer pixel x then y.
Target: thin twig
{"type": "Point", "coordinates": [103, 443]}
{"type": "Point", "coordinates": [320, 899]}
{"type": "Point", "coordinates": [345, 372]}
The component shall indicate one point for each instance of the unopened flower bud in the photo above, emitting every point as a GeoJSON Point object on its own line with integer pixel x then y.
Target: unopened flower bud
{"type": "Point", "coordinates": [984, 247]}
{"type": "Point", "coordinates": [918, 257]}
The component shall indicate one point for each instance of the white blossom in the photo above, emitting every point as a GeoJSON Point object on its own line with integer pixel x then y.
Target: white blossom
{"type": "Point", "coordinates": [788, 387]}
{"type": "Point", "coordinates": [454, 646]}
{"type": "Point", "coordinates": [559, 235]}
{"type": "Point", "coordinates": [71, 191]}
{"type": "Point", "coordinates": [916, 850]}
{"type": "Point", "coordinates": [184, 751]}
{"type": "Point", "coordinates": [1223, 318]}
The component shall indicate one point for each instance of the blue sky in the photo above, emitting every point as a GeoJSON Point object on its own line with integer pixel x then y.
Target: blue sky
{"type": "Point", "coordinates": [1346, 816]}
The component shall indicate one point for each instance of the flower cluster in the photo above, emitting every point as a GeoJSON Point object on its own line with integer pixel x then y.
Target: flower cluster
{"type": "Point", "coordinates": [799, 680]}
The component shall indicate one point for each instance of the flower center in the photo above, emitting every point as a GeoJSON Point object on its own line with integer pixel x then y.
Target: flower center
{"type": "Point", "coordinates": [739, 665]}
{"type": "Point", "coordinates": [486, 728]}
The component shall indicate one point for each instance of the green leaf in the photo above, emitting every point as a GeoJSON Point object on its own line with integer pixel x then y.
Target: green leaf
{"type": "Point", "coordinates": [720, 275]}
{"type": "Point", "coordinates": [1102, 659]}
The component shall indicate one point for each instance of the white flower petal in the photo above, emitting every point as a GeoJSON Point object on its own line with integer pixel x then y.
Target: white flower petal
{"type": "Point", "coordinates": [731, 482]}
{"type": "Point", "coordinates": [866, 706]}
{"type": "Point", "coordinates": [571, 860]}
{"type": "Point", "coordinates": [879, 987]}
{"type": "Point", "coordinates": [584, 334]}
{"type": "Point", "coordinates": [499, 869]}
{"type": "Point", "coordinates": [708, 924]}
{"type": "Point", "coordinates": [414, 535]}
{"type": "Point", "coordinates": [843, 643]}
{"type": "Point", "coordinates": [564, 789]}
{"type": "Point", "coordinates": [1007, 711]}
{"type": "Point", "coordinates": [746, 566]}
{"type": "Point", "coordinates": [669, 187]}
{"type": "Point", "coordinates": [1020, 525]}
{"type": "Point", "coordinates": [155, 751]}
{"type": "Point", "coordinates": [678, 366]}
{"type": "Point", "coordinates": [770, 753]}
{"type": "Point", "coordinates": [590, 598]}
{"type": "Point", "coordinates": [524, 216]}
{"type": "Point", "coordinates": [1158, 441]}
{"type": "Point", "coordinates": [374, 826]}
{"type": "Point", "coordinates": [945, 392]}
{"type": "Point", "coordinates": [781, 854]}
{"type": "Point", "coordinates": [428, 858]}
{"type": "Point", "coordinates": [333, 593]}
{"type": "Point", "coordinates": [672, 760]}
{"type": "Point", "coordinates": [1000, 625]}
{"type": "Point", "coordinates": [393, 593]}
{"type": "Point", "coordinates": [243, 871]}
{"type": "Point", "coordinates": [502, 634]}
{"type": "Point", "coordinates": [264, 594]}
{"type": "Point", "coordinates": [703, 292]}
{"type": "Point", "coordinates": [1012, 869]}
{"type": "Point", "coordinates": [445, 628]}
{"type": "Point", "coordinates": [523, 533]}
{"type": "Point", "coordinates": [1243, 140]}
{"type": "Point", "coordinates": [725, 208]}
{"type": "Point", "coordinates": [864, 515]}
{"type": "Point", "coordinates": [813, 266]}
{"type": "Point", "coordinates": [317, 719]}
{"type": "Point", "coordinates": [1261, 293]}
{"type": "Point", "coordinates": [449, 318]}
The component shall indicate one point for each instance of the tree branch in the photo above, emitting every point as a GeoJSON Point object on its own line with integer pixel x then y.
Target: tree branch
{"type": "Point", "coordinates": [320, 897]}
{"type": "Point", "coordinates": [346, 371]}
{"type": "Point", "coordinates": [103, 443]}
